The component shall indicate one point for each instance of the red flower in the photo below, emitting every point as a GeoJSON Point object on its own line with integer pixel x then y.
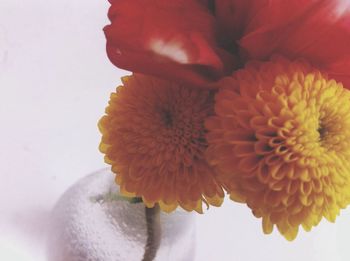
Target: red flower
{"type": "Point", "coordinates": [316, 30]}
{"type": "Point", "coordinates": [199, 41]}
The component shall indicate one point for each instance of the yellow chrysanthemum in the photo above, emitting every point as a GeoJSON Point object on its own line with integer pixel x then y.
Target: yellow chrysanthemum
{"type": "Point", "coordinates": [154, 138]}
{"type": "Point", "coordinates": [281, 143]}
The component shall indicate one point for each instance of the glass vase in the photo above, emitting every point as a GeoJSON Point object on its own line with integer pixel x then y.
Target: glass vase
{"type": "Point", "coordinates": [91, 222]}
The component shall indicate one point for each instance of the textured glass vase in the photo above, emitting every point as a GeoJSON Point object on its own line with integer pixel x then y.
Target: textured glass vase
{"type": "Point", "coordinates": [88, 226]}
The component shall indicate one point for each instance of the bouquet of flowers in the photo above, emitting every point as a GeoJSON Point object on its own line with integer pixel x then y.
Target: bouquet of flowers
{"type": "Point", "coordinates": [248, 98]}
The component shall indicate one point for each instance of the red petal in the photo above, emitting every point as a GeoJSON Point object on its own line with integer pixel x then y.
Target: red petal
{"type": "Point", "coordinates": [233, 16]}
{"type": "Point", "coordinates": [172, 39]}
{"type": "Point", "coordinates": [340, 72]}
{"type": "Point", "coordinates": [317, 30]}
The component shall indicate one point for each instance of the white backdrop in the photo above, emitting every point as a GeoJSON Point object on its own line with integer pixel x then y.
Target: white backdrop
{"type": "Point", "coordinates": [55, 81]}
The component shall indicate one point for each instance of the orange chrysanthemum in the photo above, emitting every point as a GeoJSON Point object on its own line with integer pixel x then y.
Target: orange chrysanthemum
{"type": "Point", "coordinates": [281, 143]}
{"type": "Point", "coordinates": [154, 138]}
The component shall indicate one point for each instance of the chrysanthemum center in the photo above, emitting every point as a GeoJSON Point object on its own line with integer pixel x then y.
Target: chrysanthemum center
{"type": "Point", "coordinates": [310, 115]}
{"type": "Point", "coordinates": [322, 131]}
{"type": "Point", "coordinates": [181, 121]}
{"type": "Point", "coordinates": [167, 118]}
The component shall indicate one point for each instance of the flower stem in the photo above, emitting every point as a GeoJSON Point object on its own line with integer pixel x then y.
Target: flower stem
{"type": "Point", "coordinates": [115, 196]}
{"type": "Point", "coordinates": [153, 232]}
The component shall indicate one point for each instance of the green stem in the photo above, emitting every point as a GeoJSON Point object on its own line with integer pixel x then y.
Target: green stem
{"type": "Point", "coordinates": [153, 232]}
{"type": "Point", "coordinates": [110, 196]}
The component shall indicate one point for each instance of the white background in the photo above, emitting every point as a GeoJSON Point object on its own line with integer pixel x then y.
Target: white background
{"type": "Point", "coordinates": [55, 81]}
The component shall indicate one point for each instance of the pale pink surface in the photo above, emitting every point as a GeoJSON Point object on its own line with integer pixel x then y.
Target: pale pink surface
{"type": "Point", "coordinates": [55, 81]}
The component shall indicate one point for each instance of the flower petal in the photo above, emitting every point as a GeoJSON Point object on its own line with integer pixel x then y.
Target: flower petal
{"type": "Point", "coordinates": [317, 30]}
{"type": "Point", "coordinates": [232, 17]}
{"type": "Point", "coordinates": [171, 39]}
